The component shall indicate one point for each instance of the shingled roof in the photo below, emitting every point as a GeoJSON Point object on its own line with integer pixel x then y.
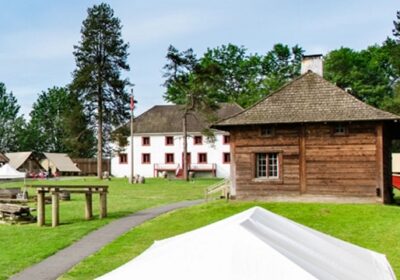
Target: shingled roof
{"type": "Point", "coordinates": [168, 119]}
{"type": "Point", "coordinates": [309, 98]}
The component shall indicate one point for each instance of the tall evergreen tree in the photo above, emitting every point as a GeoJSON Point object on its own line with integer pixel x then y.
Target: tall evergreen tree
{"type": "Point", "coordinates": [100, 57]}
{"type": "Point", "coordinates": [11, 124]}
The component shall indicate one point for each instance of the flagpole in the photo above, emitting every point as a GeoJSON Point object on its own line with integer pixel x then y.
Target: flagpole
{"type": "Point", "coordinates": [131, 180]}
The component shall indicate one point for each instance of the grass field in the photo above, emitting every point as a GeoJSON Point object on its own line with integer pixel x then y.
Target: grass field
{"type": "Point", "coordinates": [24, 245]}
{"type": "Point", "coordinates": [376, 227]}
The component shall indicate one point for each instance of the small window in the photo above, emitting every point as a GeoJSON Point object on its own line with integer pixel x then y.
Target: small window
{"type": "Point", "coordinates": [146, 158]}
{"type": "Point", "coordinates": [226, 158]}
{"type": "Point", "coordinates": [198, 140]}
{"type": "Point", "coordinates": [202, 158]}
{"type": "Point", "coordinates": [227, 139]}
{"type": "Point", "coordinates": [267, 131]}
{"type": "Point", "coordinates": [267, 165]}
{"type": "Point", "coordinates": [123, 158]}
{"type": "Point", "coordinates": [169, 140]}
{"type": "Point", "coordinates": [169, 158]}
{"type": "Point", "coordinates": [145, 141]}
{"type": "Point", "coordinates": [340, 129]}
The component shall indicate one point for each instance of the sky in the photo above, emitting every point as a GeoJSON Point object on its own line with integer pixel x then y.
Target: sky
{"type": "Point", "coordinates": [37, 37]}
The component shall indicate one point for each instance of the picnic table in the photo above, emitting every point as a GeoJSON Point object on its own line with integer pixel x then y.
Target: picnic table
{"type": "Point", "coordinates": [56, 190]}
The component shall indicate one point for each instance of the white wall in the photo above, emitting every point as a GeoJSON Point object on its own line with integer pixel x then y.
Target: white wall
{"type": "Point", "coordinates": [158, 149]}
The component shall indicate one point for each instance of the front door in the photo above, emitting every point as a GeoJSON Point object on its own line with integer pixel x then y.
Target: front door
{"type": "Point", "coordinates": [188, 157]}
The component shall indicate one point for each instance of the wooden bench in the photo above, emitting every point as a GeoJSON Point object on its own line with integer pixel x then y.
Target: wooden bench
{"type": "Point", "coordinates": [15, 212]}
{"type": "Point", "coordinates": [55, 190]}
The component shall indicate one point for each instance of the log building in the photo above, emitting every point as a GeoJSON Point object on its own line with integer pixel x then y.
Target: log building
{"type": "Point", "coordinates": [311, 137]}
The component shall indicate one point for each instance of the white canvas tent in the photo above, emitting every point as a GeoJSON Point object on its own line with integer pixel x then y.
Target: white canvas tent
{"type": "Point", "coordinates": [255, 244]}
{"type": "Point", "coordinates": [9, 172]}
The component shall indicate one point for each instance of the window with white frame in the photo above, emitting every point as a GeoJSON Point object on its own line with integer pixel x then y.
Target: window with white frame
{"type": "Point", "coordinates": [267, 165]}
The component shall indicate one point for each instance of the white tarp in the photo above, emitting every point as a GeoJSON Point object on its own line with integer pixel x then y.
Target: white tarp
{"type": "Point", "coordinates": [9, 172]}
{"type": "Point", "coordinates": [396, 162]}
{"type": "Point", "coordinates": [253, 245]}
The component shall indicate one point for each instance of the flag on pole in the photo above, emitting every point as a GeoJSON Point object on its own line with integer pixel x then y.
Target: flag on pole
{"type": "Point", "coordinates": [132, 103]}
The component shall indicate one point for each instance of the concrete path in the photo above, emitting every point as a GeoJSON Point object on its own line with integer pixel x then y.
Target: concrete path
{"type": "Point", "coordinates": [59, 263]}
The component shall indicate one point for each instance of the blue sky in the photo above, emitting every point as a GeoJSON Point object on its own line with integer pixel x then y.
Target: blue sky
{"type": "Point", "coordinates": [37, 37]}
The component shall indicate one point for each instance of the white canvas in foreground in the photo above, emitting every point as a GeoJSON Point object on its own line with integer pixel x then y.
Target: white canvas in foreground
{"type": "Point", "coordinates": [253, 245]}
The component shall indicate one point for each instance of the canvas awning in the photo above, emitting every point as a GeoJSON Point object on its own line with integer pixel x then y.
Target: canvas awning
{"type": "Point", "coordinates": [8, 172]}
{"type": "Point", "coordinates": [18, 159]}
{"type": "Point", "coordinates": [253, 245]}
{"type": "Point", "coordinates": [62, 162]}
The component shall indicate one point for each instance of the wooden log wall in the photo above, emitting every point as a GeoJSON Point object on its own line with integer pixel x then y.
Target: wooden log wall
{"type": "Point", "coordinates": [247, 143]}
{"type": "Point", "coordinates": [341, 164]}
{"type": "Point", "coordinates": [313, 160]}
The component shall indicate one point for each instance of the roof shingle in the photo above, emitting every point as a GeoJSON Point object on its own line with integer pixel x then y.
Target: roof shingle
{"type": "Point", "coordinates": [168, 119]}
{"type": "Point", "coordinates": [309, 98]}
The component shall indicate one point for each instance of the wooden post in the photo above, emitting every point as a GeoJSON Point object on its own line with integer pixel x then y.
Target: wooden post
{"type": "Point", "coordinates": [103, 204]}
{"type": "Point", "coordinates": [302, 159]}
{"type": "Point", "coordinates": [55, 208]}
{"type": "Point", "coordinates": [88, 208]}
{"type": "Point", "coordinates": [40, 207]}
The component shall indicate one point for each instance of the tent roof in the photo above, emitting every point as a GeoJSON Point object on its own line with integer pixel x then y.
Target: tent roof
{"type": "Point", "coordinates": [255, 244]}
{"type": "Point", "coordinates": [62, 162]}
{"type": "Point", "coordinates": [18, 159]}
{"type": "Point", "coordinates": [8, 172]}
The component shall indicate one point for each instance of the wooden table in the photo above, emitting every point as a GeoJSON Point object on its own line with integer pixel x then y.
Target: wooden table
{"type": "Point", "coordinates": [55, 191]}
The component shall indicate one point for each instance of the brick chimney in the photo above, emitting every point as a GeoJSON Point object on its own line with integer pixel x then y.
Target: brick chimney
{"type": "Point", "coordinates": [312, 62]}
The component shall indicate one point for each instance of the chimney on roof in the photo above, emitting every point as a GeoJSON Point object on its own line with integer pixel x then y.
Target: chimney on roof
{"type": "Point", "coordinates": [312, 62]}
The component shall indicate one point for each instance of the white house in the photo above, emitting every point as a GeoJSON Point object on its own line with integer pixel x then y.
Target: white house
{"type": "Point", "coordinates": [158, 145]}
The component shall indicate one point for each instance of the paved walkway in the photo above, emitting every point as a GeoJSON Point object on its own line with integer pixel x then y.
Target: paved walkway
{"type": "Point", "coordinates": [56, 265]}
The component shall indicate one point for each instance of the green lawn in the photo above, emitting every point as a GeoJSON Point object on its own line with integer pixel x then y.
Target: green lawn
{"type": "Point", "coordinates": [24, 245]}
{"type": "Point", "coordinates": [376, 227]}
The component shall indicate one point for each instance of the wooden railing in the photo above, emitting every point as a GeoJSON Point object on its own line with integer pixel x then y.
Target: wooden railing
{"type": "Point", "coordinates": [222, 186]}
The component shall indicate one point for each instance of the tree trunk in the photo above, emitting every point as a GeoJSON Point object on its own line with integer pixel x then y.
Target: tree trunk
{"type": "Point", "coordinates": [100, 138]}
{"type": "Point", "coordinates": [185, 166]}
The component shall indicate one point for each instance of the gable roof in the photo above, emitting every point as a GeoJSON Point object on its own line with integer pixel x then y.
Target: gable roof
{"type": "Point", "coordinates": [18, 159]}
{"type": "Point", "coordinates": [309, 98]}
{"type": "Point", "coordinates": [62, 162]}
{"type": "Point", "coordinates": [168, 118]}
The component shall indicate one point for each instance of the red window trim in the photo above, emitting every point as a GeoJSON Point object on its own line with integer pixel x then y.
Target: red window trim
{"type": "Point", "coordinates": [224, 139]}
{"type": "Point", "coordinates": [223, 158]}
{"type": "Point", "coordinates": [166, 158]}
{"type": "Point", "coordinates": [198, 158]}
{"type": "Point", "coordinates": [194, 140]}
{"type": "Point", "coordinates": [166, 142]}
{"type": "Point", "coordinates": [143, 162]}
{"type": "Point", "coordinates": [119, 157]}
{"type": "Point", "coordinates": [147, 137]}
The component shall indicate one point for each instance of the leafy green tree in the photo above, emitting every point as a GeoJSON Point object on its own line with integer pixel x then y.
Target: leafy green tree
{"type": "Point", "coordinates": [279, 66]}
{"type": "Point", "coordinates": [195, 83]}
{"type": "Point", "coordinates": [245, 78]}
{"type": "Point", "coordinates": [46, 125]}
{"type": "Point", "coordinates": [367, 74]}
{"type": "Point", "coordinates": [100, 57]}
{"type": "Point", "coordinates": [12, 125]}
